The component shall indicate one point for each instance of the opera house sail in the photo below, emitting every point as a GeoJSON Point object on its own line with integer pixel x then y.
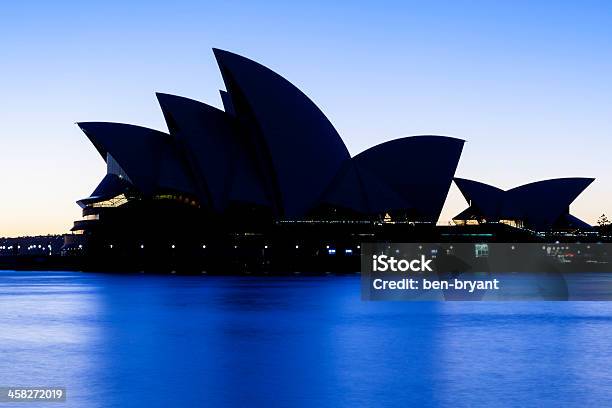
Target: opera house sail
{"type": "Point", "coordinates": [541, 205]}
{"type": "Point", "coordinates": [270, 174]}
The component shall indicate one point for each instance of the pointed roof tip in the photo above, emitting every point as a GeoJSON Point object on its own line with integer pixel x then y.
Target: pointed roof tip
{"type": "Point", "coordinates": [586, 180]}
{"type": "Point", "coordinates": [177, 102]}
{"type": "Point", "coordinates": [167, 100]}
{"type": "Point", "coordinates": [104, 123]}
{"type": "Point", "coordinates": [101, 122]}
{"type": "Point", "coordinates": [431, 140]}
{"type": "Point", "coordinates": [224, 55]}
{"type": "Point", "coordinates": [161, 96]}
{"type": "Point", "coordinates": [168, 96]}
{"type": "Point", "coordinates": [84, 125]}
{"type": "Point", "coordinates": [94, 128]}
{"type": "Point", "coordinates": [468, 180]}
{"type": "Point", "coordinates": [86, 128]}
{"type": "Point", "coordinates": [463, 183]}
{"type": "Point", "coordinates": [218, 52]}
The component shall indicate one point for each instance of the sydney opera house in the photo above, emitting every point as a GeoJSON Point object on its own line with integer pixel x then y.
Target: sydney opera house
{"type": "Point", "coordinates": [269, 176]}
{"type": "Point", "coordinates": [541, 206]}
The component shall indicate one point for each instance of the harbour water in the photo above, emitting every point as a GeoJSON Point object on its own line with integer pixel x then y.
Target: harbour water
{"type": "Point", "coordinates": [177, 341]}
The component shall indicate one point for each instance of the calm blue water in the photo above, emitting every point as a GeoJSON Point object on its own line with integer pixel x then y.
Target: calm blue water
{"type": "Point", "coordinates": [171, 341]}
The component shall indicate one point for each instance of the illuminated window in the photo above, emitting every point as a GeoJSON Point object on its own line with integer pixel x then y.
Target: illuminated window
{"type": "Point", "coordinates": [481, 250]}
{"type": "Point", "coordinates": [112, 202]}
{"type": "Point", "coordinates": [112, 167]}
{"type": "Point", "coordinates": [512, 223]}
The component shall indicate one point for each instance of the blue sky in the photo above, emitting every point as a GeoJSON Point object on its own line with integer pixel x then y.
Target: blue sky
{"type": "Point", "coordinates": [529, 86]}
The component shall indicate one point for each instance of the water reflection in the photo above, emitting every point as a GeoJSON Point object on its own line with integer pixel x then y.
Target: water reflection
{"type": "Point", "coordinates": [141, 340]}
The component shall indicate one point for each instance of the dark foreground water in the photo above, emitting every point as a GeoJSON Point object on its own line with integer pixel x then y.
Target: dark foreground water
{"type": "Point", "coordinates": [171, 341]}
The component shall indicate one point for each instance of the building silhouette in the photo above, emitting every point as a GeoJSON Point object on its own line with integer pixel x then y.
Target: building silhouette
{"type": "Point", "coordinates": [268, 178]}
{"type": "Point", "coordinates": [540, 206]}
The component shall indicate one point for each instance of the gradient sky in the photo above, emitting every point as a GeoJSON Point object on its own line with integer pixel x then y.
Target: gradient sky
{"type": "Point", "coordinates": [529, 86]}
